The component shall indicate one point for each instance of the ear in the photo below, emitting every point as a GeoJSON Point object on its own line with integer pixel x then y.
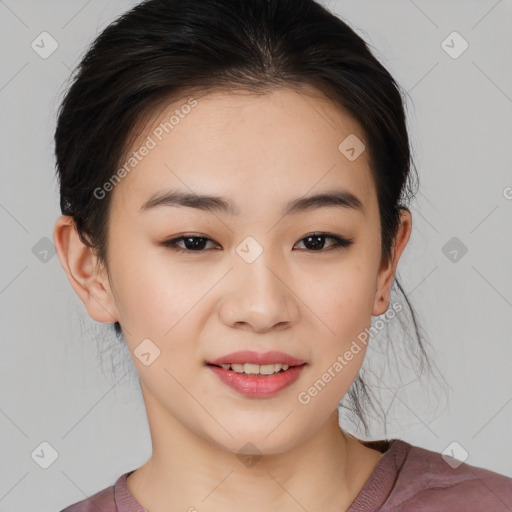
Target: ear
{"type": "Point", "coordinates": [387, 271]}
{"type": "Point", "coordinates": [82, 268]}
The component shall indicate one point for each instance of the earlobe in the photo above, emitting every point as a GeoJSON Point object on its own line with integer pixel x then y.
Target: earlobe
{"type": "Point", "coordinates": [81, 267]}
{"type": "Point", "coordinates": [386, 274]}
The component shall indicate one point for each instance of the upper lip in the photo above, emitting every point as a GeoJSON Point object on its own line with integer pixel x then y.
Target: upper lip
{"type": "Point", "coordinates": [248, 356]}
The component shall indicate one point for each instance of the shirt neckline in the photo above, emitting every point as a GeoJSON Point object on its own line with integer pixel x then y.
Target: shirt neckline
{"type": "Point", "coordinates": [372, 495]}
{"type": "Point", "coordinates": [382, 479]}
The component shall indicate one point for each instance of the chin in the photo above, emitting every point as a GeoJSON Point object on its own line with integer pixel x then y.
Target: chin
{"type": "Point", "coordinates": [256, 441]}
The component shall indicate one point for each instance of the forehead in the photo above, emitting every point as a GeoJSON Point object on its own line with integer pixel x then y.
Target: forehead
{"type": "Point", "coordinates": [268, 147]}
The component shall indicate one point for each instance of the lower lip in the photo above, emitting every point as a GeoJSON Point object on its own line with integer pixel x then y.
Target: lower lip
{"type": "Point", "coordinates": [255, 386]}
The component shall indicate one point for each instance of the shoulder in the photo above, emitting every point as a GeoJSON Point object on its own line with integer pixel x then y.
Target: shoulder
{"type": "Point", "coordinates": [427, 480]}
{"type": "Point", "coordinates": [102, 500]}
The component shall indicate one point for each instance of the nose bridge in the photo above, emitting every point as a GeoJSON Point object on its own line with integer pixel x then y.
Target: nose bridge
{"type": "Point", "coordinates": [258, 294]}
{"type": "Point", "coordinates": [259, 267]}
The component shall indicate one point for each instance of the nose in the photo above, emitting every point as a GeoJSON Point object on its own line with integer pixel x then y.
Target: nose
{"type": "Point", "coordinates": [259, 296]}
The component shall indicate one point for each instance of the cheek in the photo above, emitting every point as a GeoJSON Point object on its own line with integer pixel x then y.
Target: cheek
{"type": "Point", "coordinates": [151, 297]}
{"type": "Point", "coordinates": [344, 300]}
{"type": "Point", "coordinates": [344, 307]}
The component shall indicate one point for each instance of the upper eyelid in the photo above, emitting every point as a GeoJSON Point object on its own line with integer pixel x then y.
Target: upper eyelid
{"type": "Point", "coordinates": [315, 233]}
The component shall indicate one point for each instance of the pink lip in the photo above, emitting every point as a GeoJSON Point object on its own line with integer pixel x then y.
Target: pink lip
{"type": "Point", "coordinates": [255, 386]}
{"type": "Point", "coordinates": [248, 356]}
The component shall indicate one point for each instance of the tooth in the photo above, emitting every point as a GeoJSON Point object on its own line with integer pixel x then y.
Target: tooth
{"type": "Point", "coordinates": [267, 369]}
{"type": "Point", "coordinates": [251, 368]}
{"type": "Point", "coordinates": [256, 369]}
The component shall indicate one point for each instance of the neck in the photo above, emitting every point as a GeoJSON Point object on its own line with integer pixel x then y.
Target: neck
{"type": "Point", "coordinates": [187, 472]}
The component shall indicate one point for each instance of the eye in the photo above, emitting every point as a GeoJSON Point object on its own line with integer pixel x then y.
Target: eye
{"type": "Point", "coordinates": [316, 241]}
{"type": "Point", "coordinates": [192, 243]}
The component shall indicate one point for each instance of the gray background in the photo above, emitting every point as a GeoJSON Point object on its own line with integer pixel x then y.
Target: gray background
{"type": "Point", "coordinates": [57, 381]}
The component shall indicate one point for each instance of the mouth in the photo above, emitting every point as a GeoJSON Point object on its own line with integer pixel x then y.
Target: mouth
{"type": "Point", "coordinates": [257, 375]}
{"type": "Point", "coordinates": [256, 370]}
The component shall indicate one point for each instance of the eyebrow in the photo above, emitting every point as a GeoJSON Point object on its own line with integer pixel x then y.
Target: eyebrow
{"type": "Point", "coordinates": [328, 199]}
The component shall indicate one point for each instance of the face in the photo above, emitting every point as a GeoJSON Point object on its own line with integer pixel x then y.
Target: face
{"type": "Point", "coordinates": [249, 276]}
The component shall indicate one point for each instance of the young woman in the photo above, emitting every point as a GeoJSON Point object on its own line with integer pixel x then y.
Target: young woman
{"type": "Point", "coordinates": [234, 177]}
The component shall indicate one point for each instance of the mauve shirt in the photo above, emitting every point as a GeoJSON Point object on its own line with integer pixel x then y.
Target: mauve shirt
{"type": "Point", "coordinates": [407, 478]}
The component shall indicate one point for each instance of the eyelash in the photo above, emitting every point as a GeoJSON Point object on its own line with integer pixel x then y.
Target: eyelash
{"type": "Point", "coordinates": [339, 242]}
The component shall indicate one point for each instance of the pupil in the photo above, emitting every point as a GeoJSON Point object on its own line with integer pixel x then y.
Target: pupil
{"type": "Point", "coordinates": [317, 245]}
{"type": "Point", "coordinates": [195, 242]}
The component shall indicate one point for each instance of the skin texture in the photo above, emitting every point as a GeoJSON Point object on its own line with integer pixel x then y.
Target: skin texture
{"type": "Point", "coordinates": [260, 152]}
